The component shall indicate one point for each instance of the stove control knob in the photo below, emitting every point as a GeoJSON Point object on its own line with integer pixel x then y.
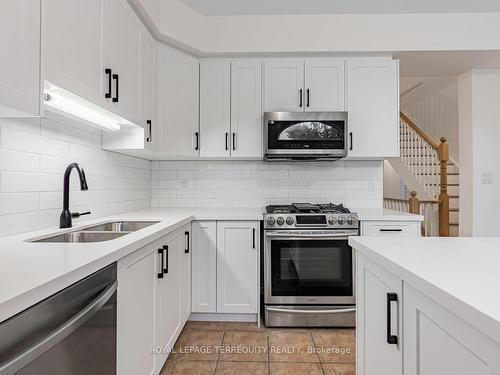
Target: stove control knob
{"type": "Point", "coordinates": [280, 221]}
{"type": "Point", "coordinates": [271, 220]}
{"type": "Point", "coordinates": [289, 220]}
{"type": "Point", "coordinates": [351, 220]}
{"type": "Point", "coordinates": [341, 220]}
{"type": "Point", "coordinates": [332, 220]}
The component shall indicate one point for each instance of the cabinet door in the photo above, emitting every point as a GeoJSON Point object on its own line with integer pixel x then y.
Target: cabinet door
{"type": "Point", "coordinates": [324, 85]}
{"type": "Point", "coordinates": [246, 108]}
{"type": "Point", "coordinates": [149, 90]}
{"type": "Point", "coordinates": [186, 276]}
{"type": "Point", "coordinates": [373, 105]}
{"type": "Point", "coordinates": [374, 286]}
{"type": "Point", "coordinates": [168, 311]}
{"type": "Point", "coordinates": [75, 45]}
{"type": "Point", "coordinates": [136, 325]}
{"type": "Point", "coordinates": [20, 57]}
{"type": "Point", "coordinates": [215, 108]}
{"type": "Point", "coordinates": [125, 60]}
{"type": "Point", "coordinates": [237, 266]}
{"type": "Point", "coordinates": [284, 85]}
{"type": "Point", "coordinates": [437, 342]}
{"type": "Point", "coordinates": [178, 98]}
{"type": "Point", "coordinates": [204, 267]}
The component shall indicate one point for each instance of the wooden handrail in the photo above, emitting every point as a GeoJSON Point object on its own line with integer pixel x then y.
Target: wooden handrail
{"type": "Point", "coordinates": [419, 131]}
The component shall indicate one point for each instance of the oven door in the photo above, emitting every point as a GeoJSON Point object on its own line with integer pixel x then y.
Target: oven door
{"type": "Point", "coordinates": [309, 267]}
{"type": "Point", "coordinates": [305, 134]}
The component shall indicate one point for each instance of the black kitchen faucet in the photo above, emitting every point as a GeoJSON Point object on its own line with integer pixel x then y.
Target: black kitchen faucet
{"type": "Point", "coordinates": [65, 220]}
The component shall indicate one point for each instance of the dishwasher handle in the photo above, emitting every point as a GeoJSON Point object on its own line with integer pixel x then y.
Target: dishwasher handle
{"type": "Point", "coordinates": [27, 356]}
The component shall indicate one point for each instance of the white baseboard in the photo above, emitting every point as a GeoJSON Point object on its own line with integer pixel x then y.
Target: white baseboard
{"type": "Point", "coordinates": [215, 317]}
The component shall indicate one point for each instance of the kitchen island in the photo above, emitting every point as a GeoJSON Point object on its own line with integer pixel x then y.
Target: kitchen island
{"type": "Point", "coordinates": [427, 305]}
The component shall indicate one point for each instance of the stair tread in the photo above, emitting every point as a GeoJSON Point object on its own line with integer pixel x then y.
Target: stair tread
{"type": "Point", "coordinates": [454, 224]}
{"type": "Point", "coordinates": [454, 210]}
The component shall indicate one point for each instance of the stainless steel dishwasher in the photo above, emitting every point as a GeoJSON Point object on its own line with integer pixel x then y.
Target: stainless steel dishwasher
{"type": "Point", "coordinates": [72, 332]}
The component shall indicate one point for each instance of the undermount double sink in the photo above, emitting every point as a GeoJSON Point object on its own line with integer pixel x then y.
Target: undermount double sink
{"type": "Point", "coordinates": [98, 233]}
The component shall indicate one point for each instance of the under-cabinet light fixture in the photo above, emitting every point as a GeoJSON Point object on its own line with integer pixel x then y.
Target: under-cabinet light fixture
{"type": "Point", "coordinates": [70, 105]}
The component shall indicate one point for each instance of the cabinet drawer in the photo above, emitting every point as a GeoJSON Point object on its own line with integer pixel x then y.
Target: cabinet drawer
{"type": "Point", "coordinates": [390, 228]}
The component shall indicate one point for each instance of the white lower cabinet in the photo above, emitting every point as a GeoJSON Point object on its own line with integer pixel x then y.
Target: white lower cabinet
{"type": "Point", "coordinates": [429, 339]}
{"type": "Point", "coordinates": [375, 291]}
{"type": "Point", "coordinates": [237, 266]}
{"type": "Point", "coordinates": [225, 273]}
{"type": "Point", "coordinates": [391, 228]}
{"type": "Point", "coordinates": [153, 302]}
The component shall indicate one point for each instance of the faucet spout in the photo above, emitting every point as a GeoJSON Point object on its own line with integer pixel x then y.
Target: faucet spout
{"type": "Point", "coordinates": [65, 220]}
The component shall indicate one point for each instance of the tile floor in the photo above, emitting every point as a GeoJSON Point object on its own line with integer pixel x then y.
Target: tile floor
{"type": "Point", "coordinates": [223, 348]}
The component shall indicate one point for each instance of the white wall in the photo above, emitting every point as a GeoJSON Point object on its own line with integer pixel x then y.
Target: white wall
{"type": "Point", "coordinates": [33, 156]}
{"type": "Point", "coordinates": [357, 184]}
{"type": "Point", "coordinates": [479, 124]}
{"type": "Point", "coordinates": [434, 107]}
{"type": "Point", "coordinates": [323, 33]}
{"type": "Point", "coordinates": [393, 185]}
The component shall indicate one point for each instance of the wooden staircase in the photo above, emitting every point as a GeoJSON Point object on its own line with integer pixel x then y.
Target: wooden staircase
{"type": "Point", "coordinates": [434, 174]}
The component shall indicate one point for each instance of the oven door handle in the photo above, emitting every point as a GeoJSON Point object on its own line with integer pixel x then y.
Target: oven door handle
{"type": "Point", "coordinates": [309, 236]}
{"type": "Point", "coordinates": [292, 311]}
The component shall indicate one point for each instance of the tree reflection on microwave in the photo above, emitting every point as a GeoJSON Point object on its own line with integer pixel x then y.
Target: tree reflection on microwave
{"type": "Point", "coordinates": [310, 131]}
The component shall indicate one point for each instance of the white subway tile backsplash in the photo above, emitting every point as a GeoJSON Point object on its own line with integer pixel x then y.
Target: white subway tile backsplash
{"type": "Point", "coordinates": [257, 183]}
{"type": "Point", "coordinates": [33, 156]}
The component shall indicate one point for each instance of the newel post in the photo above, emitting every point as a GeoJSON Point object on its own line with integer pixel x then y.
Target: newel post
{"type": "Point", "coordinates": [444, 198]}
{"type": "Point", "coordinates": [414, 205]}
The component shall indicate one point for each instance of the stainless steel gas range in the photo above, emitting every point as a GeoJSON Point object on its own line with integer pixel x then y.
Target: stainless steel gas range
{"type": "Point", "coordinates": [309, 265]}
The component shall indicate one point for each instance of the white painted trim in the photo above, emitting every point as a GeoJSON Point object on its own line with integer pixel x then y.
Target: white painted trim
{"type": "Point", "coordinates": [211, 317]}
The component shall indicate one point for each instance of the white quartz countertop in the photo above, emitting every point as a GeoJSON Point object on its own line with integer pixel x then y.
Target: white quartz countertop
{"type": "Point", "coordinates": [462, 274]}
{"type": "Point", "coordinates": [30, 272]}
{"type": "Point", "coordinates": [379, 214]}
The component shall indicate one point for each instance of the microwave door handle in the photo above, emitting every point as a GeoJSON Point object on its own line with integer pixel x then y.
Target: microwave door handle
{"type": "Point", "coordinates": [59, 334]}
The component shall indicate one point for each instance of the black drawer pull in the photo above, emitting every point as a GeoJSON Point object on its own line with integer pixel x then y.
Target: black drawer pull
{"type": "Point", "coordinates": [150, 137]}
{"type": "Point", "coordinates": [165, 269]}
{"type": "Point", "coordinates": [391, 229]}
{"type": "Point", "coordinates": [391, 339]}
{"type": "Point", "coordinates": [187, 244]}
{"type": "Point", "coordinates": [160, 274]}
{"type": "Point", "coordinates": [116, 78]}
{"type": "Point", "coordinates": [108, 94]}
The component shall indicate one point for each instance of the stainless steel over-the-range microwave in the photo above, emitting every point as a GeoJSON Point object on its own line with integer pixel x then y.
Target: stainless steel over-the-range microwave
{"type": "Point", "coordinates": [305, 135]}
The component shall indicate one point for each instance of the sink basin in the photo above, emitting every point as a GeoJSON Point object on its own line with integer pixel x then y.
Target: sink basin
{"type": "Point", "coordinates": [121, 226]}
{"type": "Point", "coordinates": [83, 237]}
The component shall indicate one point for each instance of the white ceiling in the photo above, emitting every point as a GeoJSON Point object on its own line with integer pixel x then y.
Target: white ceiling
{"type": "Point", "coordinates": [254, 7]}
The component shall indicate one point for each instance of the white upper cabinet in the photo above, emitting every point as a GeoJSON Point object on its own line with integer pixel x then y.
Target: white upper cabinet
{"type": "Point", "coordinates": [74, 34]}
{"type": "Point", "coordinates": [125, 60]}
{"type": "Point", "coordinates": [178, 104]}
{"type": "Point", "coordinates": [324, 85]}
{"type": "Point", "coordinates": [284, 85]}
{"type": "Point", "coordinates": [237, 266]}
{"type": "Point", "coordinates": [149, 85]}
{"type": "Point", "coordinates": [246, 108]}
{"type": "Point", "coordinates": [215, 108]}
{"type": "Point", "coordinates": [20, 58]}
{"type": "Point", "coordinates": [373, 107]}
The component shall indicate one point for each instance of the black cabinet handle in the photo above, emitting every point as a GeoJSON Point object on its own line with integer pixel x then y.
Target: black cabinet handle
{"type": "Point", "coordinates": [116, 78]}
{"type": "Point", "coordinates": [197, 144]}
{"type": "Point", "coordinates": [165, 268]}
{"type": "Point", "coordinates": [148, 139]}
{"type": "Point", "coordinates": [300, 98]}
{"type": "Point", "coordinates": [350, 140]}
{"type": "Point", "coordinates": [391, 229]}
{"type": "Point", "coordinates": [108, 72]}
{"type": "Point", "coordinates": [187, 245]}
{"type": "Point", "coordinates": [391, 339]}
{"type": "Point", "coordinates": [160, 274]}
{"type": "Point", "coordinates": [227, 135]}
{"type": "Point", "coordinates": [307, 92]}
{"type": "Point", "coordinates": [234, 141]}
{"type": "Point", "coordinates": [253, 238]}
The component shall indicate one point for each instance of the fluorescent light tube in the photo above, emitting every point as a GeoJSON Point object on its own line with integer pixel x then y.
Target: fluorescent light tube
{"type": "Point", "coordinates": [68, 104]}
